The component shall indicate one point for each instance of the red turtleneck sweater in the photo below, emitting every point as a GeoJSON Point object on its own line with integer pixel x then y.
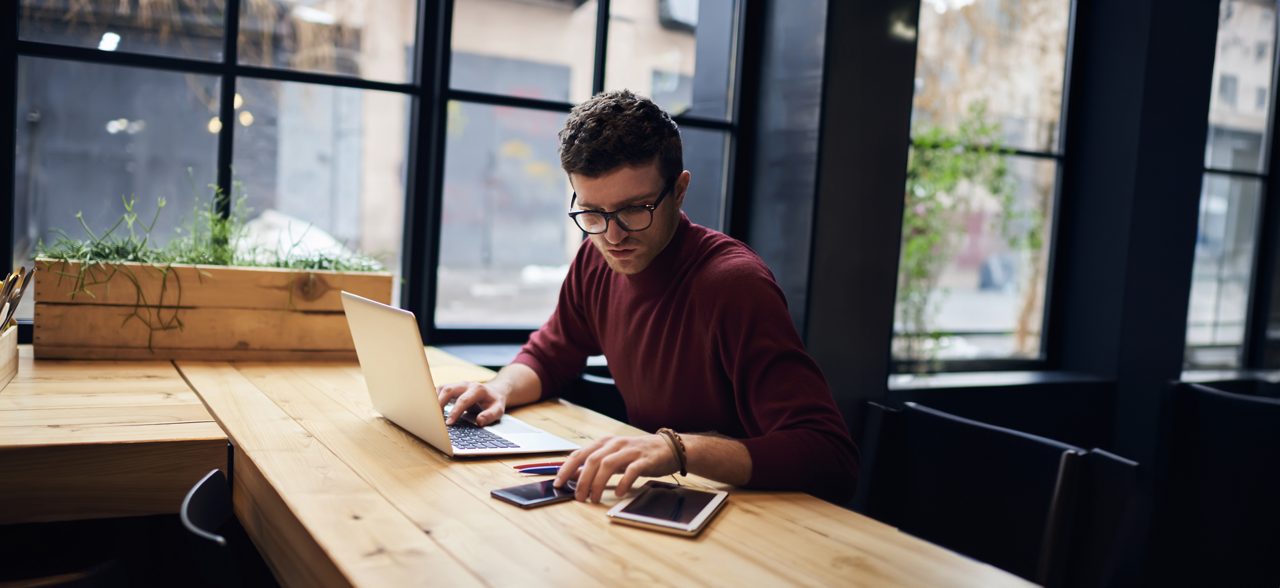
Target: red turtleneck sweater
{"type": "Point", "coordinates": [701, 341]}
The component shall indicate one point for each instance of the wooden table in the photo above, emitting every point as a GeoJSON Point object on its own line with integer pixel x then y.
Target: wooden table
{"type": "Point", "coordinates": [94, 439]}
{"type": "Point", "coordinates": [333, 495]}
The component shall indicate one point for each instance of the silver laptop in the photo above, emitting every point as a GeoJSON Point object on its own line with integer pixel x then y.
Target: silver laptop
{"type": "Point", "coordinates": [395, 368]}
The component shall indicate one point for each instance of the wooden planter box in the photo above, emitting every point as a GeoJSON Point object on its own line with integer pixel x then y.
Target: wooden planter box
{"type": "Point", "coordinates": [138, 311]}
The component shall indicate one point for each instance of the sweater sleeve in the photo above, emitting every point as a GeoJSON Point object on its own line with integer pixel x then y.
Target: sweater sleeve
{"type": "Point", "coordinates": [558, 350]}
{"type": "Point", "coordinates": [796, 436]}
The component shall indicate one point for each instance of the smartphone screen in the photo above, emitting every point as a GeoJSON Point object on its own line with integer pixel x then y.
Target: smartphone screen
{"type": "Point", "coordinates": [535, 494]}
{"type": "Point", "coordinates": [669, 503]}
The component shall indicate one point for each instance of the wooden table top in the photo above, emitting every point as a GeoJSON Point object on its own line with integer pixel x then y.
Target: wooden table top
{"type": "Point", "coordinates": [89, 439]}
{"type": "Point", "coordinates": [333, 494]}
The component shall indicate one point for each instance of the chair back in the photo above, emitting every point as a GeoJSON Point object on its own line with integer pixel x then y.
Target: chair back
{"type": "Point", "coordinates": [994, 494]}
{"type": "Point", "coordinates": [1104, 538]}
{"type": "Point", "coordinates": [880, 476]}
{"type": "Point", "coordinates": [598, 393]}
{"type": "Point", "coordinates": [206, 507]}
{"type": "Point", "coordinates": [1217, 520]}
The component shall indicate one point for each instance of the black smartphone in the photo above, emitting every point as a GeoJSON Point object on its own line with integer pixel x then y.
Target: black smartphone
{"type": "Point", "coordinates": [535, 494]}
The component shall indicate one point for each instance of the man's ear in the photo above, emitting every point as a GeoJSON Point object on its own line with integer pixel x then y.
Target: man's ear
{"type": "Point", "coordinates": [682, 186]}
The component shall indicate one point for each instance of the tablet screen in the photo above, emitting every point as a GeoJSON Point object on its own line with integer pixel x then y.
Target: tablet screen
{"type": "Point", "coordinates": [669, 503]}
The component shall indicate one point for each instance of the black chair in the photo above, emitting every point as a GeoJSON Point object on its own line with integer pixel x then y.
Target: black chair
{"type": "Point", "coordinates": [994, 494]}
{"type": "Point", "coordinates": [223, 553]}
{"type": "Point", "coordinates": [1217, 519]}
{"type": "Point", "coordinates": [598, 393]}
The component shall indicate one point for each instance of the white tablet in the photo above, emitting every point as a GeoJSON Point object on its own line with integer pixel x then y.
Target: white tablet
{"type": "Point", "coordinates": [669, 508]}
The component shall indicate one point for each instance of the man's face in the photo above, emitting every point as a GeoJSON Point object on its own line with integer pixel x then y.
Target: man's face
{"type": "Point", "coordinates": [631, 252]}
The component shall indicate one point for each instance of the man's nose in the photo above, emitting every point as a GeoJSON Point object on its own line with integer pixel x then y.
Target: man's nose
{"type": "Point", "coordinates": [614, 233]}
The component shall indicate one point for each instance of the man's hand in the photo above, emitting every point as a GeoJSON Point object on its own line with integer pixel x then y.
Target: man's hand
{"type": "Point", "coordinates": [464, 395]}
{"type": "Point", "coordinates": [647, 455]}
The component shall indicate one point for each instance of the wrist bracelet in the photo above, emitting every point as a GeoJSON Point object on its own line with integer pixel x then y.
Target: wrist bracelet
{"type": "Point", "coordinates": [677, 447]}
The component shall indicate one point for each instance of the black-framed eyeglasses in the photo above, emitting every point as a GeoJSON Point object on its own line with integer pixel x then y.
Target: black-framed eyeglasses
{"type": "Point", "coordinates": [631, 218]}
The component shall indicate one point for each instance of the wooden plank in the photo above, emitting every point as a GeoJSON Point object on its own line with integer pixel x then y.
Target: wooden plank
{"type": "Point", "coordinates": [8, 355]}
{"type": "Point", "coordinates": [293, 555]}
{"type": "Point", "coordinates": [298, 493]}
{"type": "Point", "coordinates": [110, 328]}
{"type": "Point", "coordinates": [208, 286]}
{"type": "Point", "coordinates": [126, 415]}
{"type": "Point", "coordinates": [70, 482]}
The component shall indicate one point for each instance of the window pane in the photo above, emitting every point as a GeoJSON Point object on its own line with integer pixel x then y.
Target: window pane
{"type": "Point", "coordinates": [371, 40]}
{"type": "Point", "coordinates": [1223, 270]}
{"type": "Point", "coordinates": [1009, 56]}
{"type": "Point", "coordinates": [681, 53]}
{"type": "Point", "coordinates": [144, 135]}
{"type": "Point", "coordinates": [505, 237]}
{"type": "Point", "coordinates": [323, 169]}
{"type": "Point", "coordinates": [1242, 68]}
{"type": "Point", "coordinates": [705, 153]}
{"type": "Point", "coordinates": [974, 263]}
{"type": "Point", "coordinates": [531, 49]}
{"type": "Point", "coordinates": [191, 28]}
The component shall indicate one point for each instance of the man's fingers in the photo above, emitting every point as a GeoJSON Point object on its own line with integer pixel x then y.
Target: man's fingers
{"type": "Point", "coordinates": [448, 392]}
{"type": "Point", "coordinates": [610, 464]}
{"type": "Point", "coordinates": [490, 415]}
{"type": "Point", "coordinates": [461, 404]}
{"type": "Point", "coordinates": [629, 477]}
{"type": "Point", "coordinates": [568, 469]}
{"type": "Point", "coordinates": [586, 479]}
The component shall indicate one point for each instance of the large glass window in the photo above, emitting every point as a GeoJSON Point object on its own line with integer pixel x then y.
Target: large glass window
{"type": "Point", "coordinates": [982, 178]}
{"type": "Point", "coordinates": [322, 169]}
{"type": "Point", "coordinates": [516, 68]}
{"type": "Point", "coordinates": [317, 168]}
{"type": "Point", "coordinates": [1232, 191]}
{"type": "Point", "coordinates": [144, 136]}
{"type": "Point", "coordinates": [505, 241]}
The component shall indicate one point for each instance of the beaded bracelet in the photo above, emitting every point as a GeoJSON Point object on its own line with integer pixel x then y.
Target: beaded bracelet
{"type": "Point", "coordinates": [677, 447]}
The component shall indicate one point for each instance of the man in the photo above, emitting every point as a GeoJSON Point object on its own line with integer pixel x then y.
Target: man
{"type": "Point", "coordinates": [695, 329]}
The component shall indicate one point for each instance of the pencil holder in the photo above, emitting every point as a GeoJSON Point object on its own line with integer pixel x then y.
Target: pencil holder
{"type": "Point", "coordinates": [8, 355]}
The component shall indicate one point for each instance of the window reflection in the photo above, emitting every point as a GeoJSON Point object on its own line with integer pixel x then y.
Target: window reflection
{"type": "Point", "coordinates": [191, 28]}
{"type": "Point", "coordinates": [371, 40]}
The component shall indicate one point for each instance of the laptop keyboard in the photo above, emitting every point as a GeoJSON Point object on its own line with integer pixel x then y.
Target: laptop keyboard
{"type": "Point", "coordinates": [469, 436]}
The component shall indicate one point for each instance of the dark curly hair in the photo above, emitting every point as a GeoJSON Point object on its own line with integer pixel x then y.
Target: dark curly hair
{"type": "Point", "coordinates": [618, 128]}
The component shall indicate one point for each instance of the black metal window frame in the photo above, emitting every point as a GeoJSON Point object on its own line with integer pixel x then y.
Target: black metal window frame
{"type": "Point", "coordinates": [430, 93]}
{"type": "Point", "coordinates": [421, 287]}
{"type": "Point", "coordinates": [1044, 359]}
